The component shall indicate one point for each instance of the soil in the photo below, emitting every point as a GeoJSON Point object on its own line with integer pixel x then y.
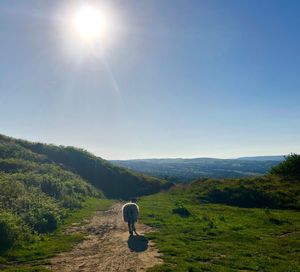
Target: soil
{"type": "Point", "coordinates": [107, 247]}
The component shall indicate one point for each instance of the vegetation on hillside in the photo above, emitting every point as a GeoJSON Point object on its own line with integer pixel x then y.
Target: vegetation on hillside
{"type": "Point", "coordinates": [289, 168]}
{"type": "Point", "coordinates": [267, 191]}
{"type": "Point", "coordinates": [279, 189]}
{"type": "Point", "coordinates": [40, 184]}
{"type": "Point", "coordinates": [31, 256]}
{"type": "Point", "coordinates": [114, 181]}
{"type": "Point", "coordinates": [34, 198]}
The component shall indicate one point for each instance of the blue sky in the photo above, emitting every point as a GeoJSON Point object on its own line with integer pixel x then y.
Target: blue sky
{"type": "Point", "coordinates": [180, 79]}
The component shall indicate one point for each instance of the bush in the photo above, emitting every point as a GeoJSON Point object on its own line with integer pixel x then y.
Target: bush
{"type": "Point", "coordinates": [240, 196]}
{"type": "Point", "coordinates": [181, 211]}
{"type": "Point", "coordinates": [47, 221]}
{"type": "Point", "coordinates": [12, 231]}
{"type": "Point", "coordinates": [270, 191]}
{"type": "Point", "coordinates": [42, 214]}
{"type": "Point", "coordinates": [290, 168]}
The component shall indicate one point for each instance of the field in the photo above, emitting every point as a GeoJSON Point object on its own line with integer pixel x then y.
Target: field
{"type": "Point", "coordinates": [214, 237]}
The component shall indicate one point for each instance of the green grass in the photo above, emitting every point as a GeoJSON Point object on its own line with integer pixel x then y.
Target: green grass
{"type": "Point", "coordinates": [221, 238]}
{"type": "Point", "coordinates": [50, 244]}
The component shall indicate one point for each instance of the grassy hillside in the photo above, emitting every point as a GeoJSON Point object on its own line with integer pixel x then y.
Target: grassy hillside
{"type": "Point", "coordinates": [41, 184]}
{"type": "Point", "coordinates": [279, 189]}
{"type": "Point", "coordinates": [268, 191]}
{"type": "Point", "coordinates": [35, 195]}
{"type": "Point", "coordinates": [197, 236]}
{"type": "Point", "coordinates": [114, 181]}
{"type": "Point", "coordinates": [196, 231]}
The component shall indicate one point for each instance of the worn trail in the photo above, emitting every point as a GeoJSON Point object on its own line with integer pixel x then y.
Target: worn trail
{"type": "Point", "coordinates": [107, 247]}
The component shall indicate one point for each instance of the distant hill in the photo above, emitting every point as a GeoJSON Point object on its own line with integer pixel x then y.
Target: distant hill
{"type": "Point", "coordinates": [186, 170]}
{"type": "Point", "coordinates": [263, 158]}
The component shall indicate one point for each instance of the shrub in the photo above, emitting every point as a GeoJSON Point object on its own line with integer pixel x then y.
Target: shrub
{"type": "Point", "coordinates": [240, 196]}
{"type": "Point", "coordinates": [42, 213]}
{"type": "Point", "coordinates": [47, 221]}
{"type": "Point", "coordinates": [270, 191]}
{"type": "Point", "coordinates": [290, 168]}
{"type": "Point", "coordinates": [181, 211]}
{"type": "Point", "coordinates": [12, 231]}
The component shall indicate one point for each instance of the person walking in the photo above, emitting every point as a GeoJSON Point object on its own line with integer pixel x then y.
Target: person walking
{"type": "Point", "coordinates": [130, 212]}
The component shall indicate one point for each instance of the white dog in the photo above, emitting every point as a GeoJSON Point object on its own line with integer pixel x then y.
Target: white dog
{"type": "Point", "coordinates": [130, 215]}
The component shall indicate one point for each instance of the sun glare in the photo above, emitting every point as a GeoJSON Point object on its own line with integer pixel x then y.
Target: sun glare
{"type": "Point", "coordinates": [90, 23]}
{"type": "Point", "coordinates": [88, 29]}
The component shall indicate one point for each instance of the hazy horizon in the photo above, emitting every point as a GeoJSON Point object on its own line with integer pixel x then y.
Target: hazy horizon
{"type": "Point", "coordinates": [169, 79]}
{"type": "Point", "coordinates": [149, 158]}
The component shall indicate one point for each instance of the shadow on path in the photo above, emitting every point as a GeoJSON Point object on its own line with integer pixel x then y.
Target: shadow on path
{"type": "Point", "coordinates": [137, 243]}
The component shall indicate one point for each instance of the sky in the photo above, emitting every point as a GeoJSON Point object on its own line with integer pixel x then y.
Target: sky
{"type": "Point", "coordinates": [171, 78]}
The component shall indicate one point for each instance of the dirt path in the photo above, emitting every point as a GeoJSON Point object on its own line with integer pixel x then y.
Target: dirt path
{"type": "Point", "coordinates": [107, 247]}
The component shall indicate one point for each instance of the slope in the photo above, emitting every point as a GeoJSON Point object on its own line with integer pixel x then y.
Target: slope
{"type": "Point", "coordinates": [249, 224]}
{"type": "Point", "coordinates": [114, 181]}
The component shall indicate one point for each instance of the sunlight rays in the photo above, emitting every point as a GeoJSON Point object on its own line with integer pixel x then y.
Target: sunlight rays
{"type": "Point", "coordinates": [87, 30]}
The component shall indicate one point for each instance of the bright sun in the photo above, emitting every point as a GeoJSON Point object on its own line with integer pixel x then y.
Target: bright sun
{"type": "Point", "coordinates": [88, 29]}
{"type": "Point", "coordinates": [90, 23]}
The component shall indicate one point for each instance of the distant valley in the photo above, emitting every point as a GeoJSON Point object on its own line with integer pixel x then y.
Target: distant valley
{"type": "Point", "coordinates": [187, 170]}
